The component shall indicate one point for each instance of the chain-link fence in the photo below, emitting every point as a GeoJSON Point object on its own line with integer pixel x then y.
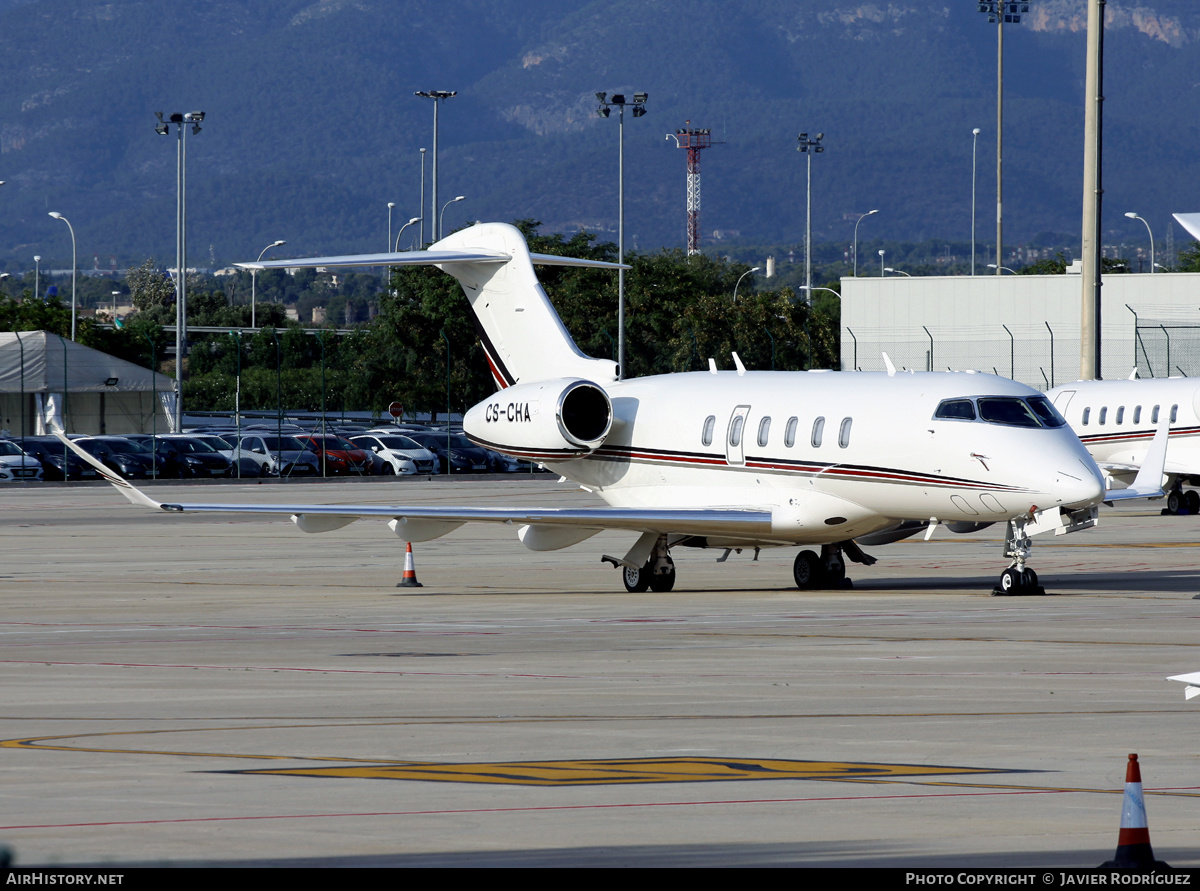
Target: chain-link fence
{"type": "Point", "coordinates": [1039, 357]}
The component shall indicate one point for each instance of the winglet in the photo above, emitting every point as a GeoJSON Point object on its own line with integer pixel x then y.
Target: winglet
{"type": "Point", "coordinates": [126, 488]}
{"type": "Point", "coordinates": [1149, 480]}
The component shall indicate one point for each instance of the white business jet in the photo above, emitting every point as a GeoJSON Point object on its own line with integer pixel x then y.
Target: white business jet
{"type": "Point", "coordinates": [1116, 421]}
{"type": "Point", "coordinates": [730, 459]}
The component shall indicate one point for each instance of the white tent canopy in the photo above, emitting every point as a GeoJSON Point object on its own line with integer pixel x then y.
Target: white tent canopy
{"type": "Point", "coordinates": [103, 394]}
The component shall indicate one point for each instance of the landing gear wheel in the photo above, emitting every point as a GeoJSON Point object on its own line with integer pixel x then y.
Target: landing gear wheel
{"type": "Point", "coordinates": [1191, 498]}
{"type": "Point", "coordinates": [1018, 582]}
{"type": "Point", "coordinates": [1174, 502]}
{"type": "Point", "coordinates": [637, 580]}
{"type": "Point", "coordinates": [661, 583]}
{"type": "Point", "coordinates": [807, 570]}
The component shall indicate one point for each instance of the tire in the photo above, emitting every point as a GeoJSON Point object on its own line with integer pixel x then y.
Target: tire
{"type": "Point", "coordinates": [1011, 581]}
{"type": "Point", "coordinates": [1191, 498]}
{"type": "Point", "coordinates": [1174, 502]}
{"type": "Point", "coordinates": [636, 580]}
{"type": "Point", "coordinates": [387, 469]}
{"type": "Point", "coordinates": [807, 570]}
{"type": "Point", "coordinates": [660, 584]}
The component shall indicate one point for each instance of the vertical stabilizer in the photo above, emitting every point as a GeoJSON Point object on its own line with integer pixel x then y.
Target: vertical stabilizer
{"type": "Point", "coordinates": [522, 335]}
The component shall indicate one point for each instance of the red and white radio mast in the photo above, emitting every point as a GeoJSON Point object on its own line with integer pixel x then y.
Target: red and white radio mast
{"type": "Point", "coordinates": [693, 140]}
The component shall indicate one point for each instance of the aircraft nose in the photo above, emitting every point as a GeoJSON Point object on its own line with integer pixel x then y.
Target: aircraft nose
{"type": "Point", "coordinates": [1080, 485]}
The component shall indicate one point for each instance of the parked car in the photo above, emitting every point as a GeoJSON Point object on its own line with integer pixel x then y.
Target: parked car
{"type": "Point", "coordinates": [16, 464]}
{"type": "Point", "coordinates": [225, 443]}
{"type": "Point", "coordinates": [129, 459]}
{"type": "Point", "coordinates": [188, 456]}
{"type": "Point", "coordinates": [57, 462]}
{"type": "Point", "coordinates": [397, 454]}
{"type": "Point", "coordinates": [278, 455]}
{"type": "Point", "coordinates": [338, 455]}
{"type": "Point", "coordinates": [463, 457]}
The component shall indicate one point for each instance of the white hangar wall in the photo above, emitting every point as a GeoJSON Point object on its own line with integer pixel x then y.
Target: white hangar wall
{"type": "Point", "coordinates": [1021, 326]}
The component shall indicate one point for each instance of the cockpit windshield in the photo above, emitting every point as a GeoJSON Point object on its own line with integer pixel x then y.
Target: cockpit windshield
{"type": "Point", "coordinates": [1009, 411]}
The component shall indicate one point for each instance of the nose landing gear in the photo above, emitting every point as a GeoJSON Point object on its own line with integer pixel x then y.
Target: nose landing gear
{"type": "Point", "coordinates": [1018, 579]}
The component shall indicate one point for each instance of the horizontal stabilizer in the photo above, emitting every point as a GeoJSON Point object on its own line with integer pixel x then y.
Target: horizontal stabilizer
{"type": "Point", "coordinates": [1149, 481]}
{"type": "Point", "coordinates": [1193, 683]}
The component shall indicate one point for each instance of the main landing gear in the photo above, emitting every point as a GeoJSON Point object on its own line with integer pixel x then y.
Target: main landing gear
{"type": "Point", "coordinates": [1018, 579]}
{"type": "Point", "coordinates": [829, 569]}
{"type": "Point", "coordinates": [1181, 502]}
{"type": "Point", "coordinates": [658, 573]}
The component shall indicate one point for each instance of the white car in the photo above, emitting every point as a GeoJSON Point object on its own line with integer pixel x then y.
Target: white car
{"type": "Point", "coordinates": [16, 465]}
{"type": "Point", "coordinates": [278, 455]}
{"type": "Point", "coordinates": [397, 453]}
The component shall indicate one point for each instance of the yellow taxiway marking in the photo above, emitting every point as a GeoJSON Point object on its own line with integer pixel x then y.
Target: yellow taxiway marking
{"type": "Point", "coordinates": [622, 771]}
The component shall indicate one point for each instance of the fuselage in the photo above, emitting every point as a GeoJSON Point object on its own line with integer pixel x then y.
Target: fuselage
{"type": "Point", "coordinates": [1116, 420]}
{"type": "Point", "coordinates": [833, 455]}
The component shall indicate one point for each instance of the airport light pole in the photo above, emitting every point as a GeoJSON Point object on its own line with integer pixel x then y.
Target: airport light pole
{"type": "Point", "coordinates": [739, 281]}
{"type": "Point", "coordinates": [809, 147]}
{"type": "Point", "coordinates": [860, 219]}
{"type": "Point", "coordinates": [391, 204]}
{"type": "Point", "coordinates": [1000, 269]}
{"type": "Point", "coordinates": [1134, 216]}
{"type": "Point", "coordinates": [438, 96]}
{"type": "Point", "coordinates": [443, 212]}
{"type": "Point", "coordinates": [974, 145]}
{"type": "Point", "coordinates": [37, 276]}
{"type": "Point", "coordinates": [421, 207]}
{"type": "Point", "coordinates": [401, 232]}
{"type": "Point", "coordinates": [254, 282]}
{"type": "Point", "coordinates": [897, 271]}
{"type": "Point", "coordinates": [163, 128]}
{"type": "Point", "coordinates": [59, 216]}
{"type": "Point", "coordinates": [638, 108]}
{"type": "Point", "coordinates": [1000, 12]}
{"type": "Point", "coordinates": [881, 267]}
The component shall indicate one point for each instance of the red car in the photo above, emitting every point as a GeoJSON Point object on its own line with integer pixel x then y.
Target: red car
{"type": "Point", "coordinates": [338, 456]}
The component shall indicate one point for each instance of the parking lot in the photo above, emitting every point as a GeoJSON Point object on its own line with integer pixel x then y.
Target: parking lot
{"type": "Point", "coordinates": [220, 689]}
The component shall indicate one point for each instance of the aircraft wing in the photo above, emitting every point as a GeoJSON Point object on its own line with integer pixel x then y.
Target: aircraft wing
{"type": "Point", "coordinates": [1193, 683]}
{"type": "Point", "coordinates": [426, 258]}
{"type": "Point", "coordinates": [415, 523]}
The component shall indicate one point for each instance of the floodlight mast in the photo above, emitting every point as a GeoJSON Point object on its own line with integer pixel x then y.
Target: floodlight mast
{"type": "Point", "coordinates": [637, 109]}
{"type": "Point", "coordinates": [694, 141]}
{"type": "Point", "coordinates": [438, 96]}
{"type": "Point", "coordinates": [163, 128]}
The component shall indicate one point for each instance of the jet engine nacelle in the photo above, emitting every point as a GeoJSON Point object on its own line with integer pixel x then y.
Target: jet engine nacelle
{"type": "Point", "coordinates": [543, 421]}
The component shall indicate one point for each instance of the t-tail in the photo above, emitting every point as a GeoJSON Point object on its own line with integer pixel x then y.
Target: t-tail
{"type": "Point", "coordinates": [523, 337]}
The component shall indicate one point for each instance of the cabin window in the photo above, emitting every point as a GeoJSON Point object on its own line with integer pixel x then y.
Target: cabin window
{"type": "Point", "coordinates": [1137, 414]}
{"type": "Point", "coordinates": [764, 430]}
{"type": "Point", "coordinates": [1103, 414]}
{"type": "Point", "coordinates": [789, 433]}
{"type": "Point", "coordinates": [1174, 413]}
{"type": "Point", "coordinates": [1154, 415]}
{"type": "Point", "coordinates": [706, 436]}
{"type": "Point", "coordinates": [1087, 413]}
{"type": "Point", "coordinates": [1120, 414]}
{"type": "Point", "coordinates": [735, 431]}
{"type": "Point", "coordinates": [844, 433]}
{"type": "Point", "coordinates": [956, 410]}
{"type": "Point", "coordinates": [818, 429]}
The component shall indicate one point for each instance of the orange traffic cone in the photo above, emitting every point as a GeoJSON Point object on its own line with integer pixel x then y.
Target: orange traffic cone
{"type": "Point", "coordinates": [410, 571]}
{"type": "Point", "coordinates": [1133, 842]}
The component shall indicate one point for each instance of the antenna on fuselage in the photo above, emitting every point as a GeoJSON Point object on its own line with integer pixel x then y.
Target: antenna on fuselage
{"type": "Point", "coordinates": [887, 361]}
{"type": "Point", "coordinates": [737, 361]}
